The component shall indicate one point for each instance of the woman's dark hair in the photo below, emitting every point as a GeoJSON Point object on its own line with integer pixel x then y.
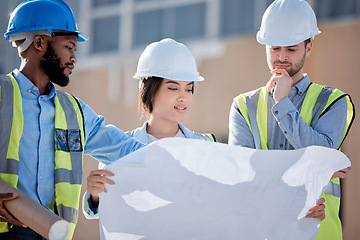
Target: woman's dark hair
{"type": "Point", "coordinates": [147, 91]}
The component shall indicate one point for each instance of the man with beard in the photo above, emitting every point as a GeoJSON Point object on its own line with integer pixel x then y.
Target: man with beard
{"type": "Point", "coordinates": [45, 132]}
{"type": "Point", "coordinates": [291, 112]}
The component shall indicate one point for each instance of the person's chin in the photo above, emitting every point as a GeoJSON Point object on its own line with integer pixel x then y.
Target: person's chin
{"type": "Point", "coordinates": [180, 117]}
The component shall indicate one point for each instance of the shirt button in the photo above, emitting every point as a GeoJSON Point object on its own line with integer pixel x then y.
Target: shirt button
{"type": "Point", "coordinates": [281, 145]}
{"type": "Point", "coordinates": [276, 112]}
{"type": "Point", "coordinates": [285, 132]}
{"type": "Point", "coordinates": [300, 93]}
{"type": "Point", "coordinates": [40, 177]}
{"type": "Point", "coordinates": [29, 90]}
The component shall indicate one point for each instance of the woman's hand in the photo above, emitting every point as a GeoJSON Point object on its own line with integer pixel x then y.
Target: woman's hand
{"type": "Point", "coordinates": [96, 184]}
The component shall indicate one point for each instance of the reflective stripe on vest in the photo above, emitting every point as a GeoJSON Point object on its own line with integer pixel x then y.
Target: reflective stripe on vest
{"type": "Point", "coordinates": [333, 189]}
{"type": "Point", "coordinates": [69, 139]}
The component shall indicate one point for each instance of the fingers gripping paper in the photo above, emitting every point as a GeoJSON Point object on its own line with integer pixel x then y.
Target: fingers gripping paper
{"type": "Point", "coordinates": [190, 189]}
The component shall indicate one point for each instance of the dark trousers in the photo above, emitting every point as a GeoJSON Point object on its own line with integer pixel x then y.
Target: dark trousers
{"type": "Point", "coordinates": [20, 233]}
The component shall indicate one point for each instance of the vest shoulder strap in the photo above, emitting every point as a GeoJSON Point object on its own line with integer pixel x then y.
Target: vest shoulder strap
{"type": "Point", "coordinates": [81, 111]}
{"type": "Point", "coordinates": [253, 107]}
{"type": "Point", "coordinates": [76, 106]}
{"type": "Point", "coordinates": [318, 101]}
{"type": "Point", "coordinates": [206, 136]}
{"type": "Point", "coordinates": [309, 102]}
{"type": "Point", "coordinates": [211, 137]}
{"type": "Point", "coordinates": [242, 101]}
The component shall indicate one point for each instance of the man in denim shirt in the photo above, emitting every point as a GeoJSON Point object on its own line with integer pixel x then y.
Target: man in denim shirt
{"type": "Point", "coordinates": [48, 143]}
{"type": "Point", "coordinates": [291, 112]}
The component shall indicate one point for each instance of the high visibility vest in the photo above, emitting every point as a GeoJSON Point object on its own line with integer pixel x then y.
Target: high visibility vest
{"type": "Point", "coordinates": [253, 106]}
{"type": "Point", "coordinates": [69, 141]}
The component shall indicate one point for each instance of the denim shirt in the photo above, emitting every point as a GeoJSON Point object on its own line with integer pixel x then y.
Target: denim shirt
{"type": "Point", "coordinates": [37, 145]}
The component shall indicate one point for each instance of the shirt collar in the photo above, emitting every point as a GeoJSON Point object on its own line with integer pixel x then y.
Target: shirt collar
{"type": "Point", "coordinates": [143, 135]}
{"type": "Point", "coordinates": [27, 86]}
{"type": "Point", "coordinates": [302, 85]}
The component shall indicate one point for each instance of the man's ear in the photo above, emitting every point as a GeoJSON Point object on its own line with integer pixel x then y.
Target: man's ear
{"type": "Point", "coordinates": [39, 43]}
{"type": "Point", "coordinates": [308, 48]}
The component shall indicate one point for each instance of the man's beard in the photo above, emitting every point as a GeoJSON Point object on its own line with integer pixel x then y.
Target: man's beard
{"type": "Point", "coordinates": [51, 64]}
{"type": "Point", "coordinates": [294, 69]}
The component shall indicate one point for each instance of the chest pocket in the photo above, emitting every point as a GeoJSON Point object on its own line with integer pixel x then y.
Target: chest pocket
{"type": "Point", "coordinates": [68, 140]}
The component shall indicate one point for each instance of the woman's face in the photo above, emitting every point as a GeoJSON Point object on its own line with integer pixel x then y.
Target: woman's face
{"type": "Point", "coordinates": [172, 100]}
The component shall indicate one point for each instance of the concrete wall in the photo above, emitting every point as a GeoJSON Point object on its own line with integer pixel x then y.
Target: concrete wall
{"type": "Point", "coordinates": [335, 61]}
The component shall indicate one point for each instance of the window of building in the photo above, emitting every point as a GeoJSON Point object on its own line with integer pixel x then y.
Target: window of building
{"type": "Point", "coordinates": [106, 34]}
{"type": "Point", "coordinates": [97, 3]}
{"type": "Point", "coordinates": [237, 17]}
{"type": "Point", "coordinates": [125, 25]}
{"type": "Point", "coordinates": [190, 21]}
{"type": "Point", "coordinates": [148, 26]}
{"type": "Point", "coordinates": [333, 9]}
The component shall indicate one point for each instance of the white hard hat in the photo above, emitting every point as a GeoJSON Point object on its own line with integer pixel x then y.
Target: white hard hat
{"type": "Point", "coordinates": [287, 23]}
{"type": "Point", "coordinates": [167, 59]}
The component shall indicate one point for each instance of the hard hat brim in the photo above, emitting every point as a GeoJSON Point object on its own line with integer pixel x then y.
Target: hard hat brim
{"type": "Point", "coordinates": [282, 42]}
{"type": "Point", "coordinates": [82, 37]}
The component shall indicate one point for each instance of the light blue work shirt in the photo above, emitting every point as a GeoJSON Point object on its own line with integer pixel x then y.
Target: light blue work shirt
{"type": "Point", "coordinates": [286, 129]}
{"type": "Point", "coordinates": [142, 136]}
{"type": "Point", "coordinates": [37, 144]}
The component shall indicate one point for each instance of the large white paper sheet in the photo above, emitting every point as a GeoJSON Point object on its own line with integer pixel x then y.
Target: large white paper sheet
{"type": "Point", "coordinates": [191, 189]}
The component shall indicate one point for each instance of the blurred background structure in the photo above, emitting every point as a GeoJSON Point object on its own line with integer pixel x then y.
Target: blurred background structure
{"type": "Point", "coordinates": [221, 35]}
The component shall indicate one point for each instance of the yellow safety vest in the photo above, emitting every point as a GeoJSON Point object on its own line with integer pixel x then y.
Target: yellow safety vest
{"type": "Point", "coordinates": [69, 141]}
{"type": "Point", "coordinates": [253, 106]}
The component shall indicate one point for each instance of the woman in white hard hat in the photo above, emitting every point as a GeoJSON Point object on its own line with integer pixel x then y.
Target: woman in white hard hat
{"type": "Point", "coordinates": [167, 72]}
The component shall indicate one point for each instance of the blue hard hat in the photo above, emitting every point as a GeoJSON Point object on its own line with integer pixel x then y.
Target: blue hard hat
{"type": "Point", "coordinates": [51, 15]}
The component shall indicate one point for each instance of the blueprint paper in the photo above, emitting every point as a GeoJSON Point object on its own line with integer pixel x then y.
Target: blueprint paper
{"type": "Point", "coordinates": [184, 189]}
